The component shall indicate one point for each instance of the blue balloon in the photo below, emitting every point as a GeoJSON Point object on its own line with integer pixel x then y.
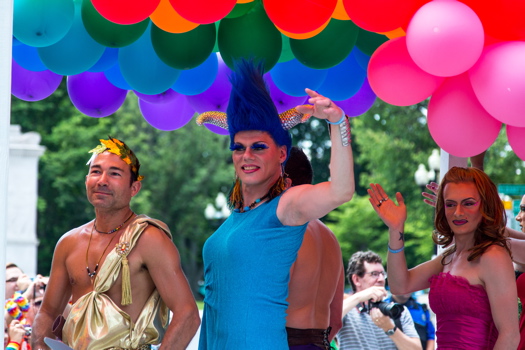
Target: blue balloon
{"type": "Point", "coordinates": [16, 42]}
{"type": "Point", "coordinates": [109, 59]}
{"type": "Point", "coordinates": [361, 58]}
{"type": "Point", "coordinates": [115, 77]}
{"type": "Point", "coordinates": [143, 70]}
{"type": "Point", "coordinates": [42, 23]}
{"type": "Point", "coordinates": [199, 79]}
{"type": "Point", "coordinates": [293, 77]}
{"type": "Point", "coordinates": [73, 54]}
{"type": "Point", "coordinates": [27, 57]}
{"type": "Point", "coordinates": [344, 80]}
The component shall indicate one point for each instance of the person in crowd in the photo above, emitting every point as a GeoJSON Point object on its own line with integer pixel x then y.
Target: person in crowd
{"type": "Point", "coordinates": [12, 273]}
{"type": "Point", "coordinates": [517, 246]}
{"type": "Point", "coordinates": [364, 324]}
{"type": "Point", "coordinates": [121, 271]}
{"type": "Point", "coordinates": [316, 288]}
{"type": "Point", "coordinates": [247, 260]}
{"type": "Point", "coordinates": [421, 317]}
{"type": "Point", "coordinates": [16, 336]}
{"type": "Point", "coordinates": [472, 283]}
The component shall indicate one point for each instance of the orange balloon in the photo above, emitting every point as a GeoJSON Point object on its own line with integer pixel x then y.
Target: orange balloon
{"type": "Point", "coordinates": [244, 1]}
{"type": "Point", "coordinates": [304, 35]}
{"type": "Point", "coordinates": [167, 19]}
{"type": "Point", "coordinates": [340, 12]}
{"type": "Point", "coordinates": [396, 33]}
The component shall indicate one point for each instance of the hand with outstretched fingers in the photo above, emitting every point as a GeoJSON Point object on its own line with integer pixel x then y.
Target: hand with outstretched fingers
{"type": "Point", "coordinates": [394, 216]}
{"type": "Point", "coordinates": [430, 198]}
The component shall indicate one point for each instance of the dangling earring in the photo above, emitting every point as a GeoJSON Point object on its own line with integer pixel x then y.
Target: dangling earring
{"type": "Point", "coordinates": [235, 197]}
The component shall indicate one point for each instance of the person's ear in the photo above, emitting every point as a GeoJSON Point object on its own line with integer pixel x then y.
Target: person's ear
{"type": "Point", "coordinates": [135, 188]}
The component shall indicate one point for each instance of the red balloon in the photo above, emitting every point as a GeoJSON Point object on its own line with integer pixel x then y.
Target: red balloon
{"type": "Point", "coordinates": [299, 16]}
{"type": "Point", "coordinates": [381, 15]}
{"type": "Point", "coordinates": [502, 19]}
{"type": "Point", "coordinates": [125, 11]}
{"type": "Point", "coordinates": [203, 11]}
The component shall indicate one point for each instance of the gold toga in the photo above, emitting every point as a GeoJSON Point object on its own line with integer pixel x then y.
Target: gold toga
{"type": "Point", "coordinates": [96, 322]}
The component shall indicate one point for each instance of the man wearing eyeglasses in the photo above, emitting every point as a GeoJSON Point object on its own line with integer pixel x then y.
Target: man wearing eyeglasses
{"type": "Point", "coordinates": [365, 326]}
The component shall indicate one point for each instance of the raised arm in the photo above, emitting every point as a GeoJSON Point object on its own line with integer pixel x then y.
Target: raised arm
{"type": "Point", "coordinates": [56, 298]}
{"type": "Point", "coordinates": [497, 273]}
{"type": "Point", "coordinates": [400, 279]}
{"type": "Point", "coordinates": [304, 203]}
{"type": "Point", "coordinates": [163, 262]}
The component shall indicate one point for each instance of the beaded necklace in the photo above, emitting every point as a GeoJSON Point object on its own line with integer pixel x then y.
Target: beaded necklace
{"type": "Point", "coordinates": [115, 229]}
{"type": "Point", "coordinates": [250, 207]}
{"type": "Point", "coordinates": [93, 274]}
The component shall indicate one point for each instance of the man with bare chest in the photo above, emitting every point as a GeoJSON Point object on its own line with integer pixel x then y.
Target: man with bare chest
{"type": "Point", "coordinates": [316, 287]}
{"type": "Point", "coordinates": [121, 271]}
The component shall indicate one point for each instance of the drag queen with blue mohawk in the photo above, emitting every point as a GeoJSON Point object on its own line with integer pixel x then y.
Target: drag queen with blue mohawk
{"type": "Point", "coordinates": [247, 260]}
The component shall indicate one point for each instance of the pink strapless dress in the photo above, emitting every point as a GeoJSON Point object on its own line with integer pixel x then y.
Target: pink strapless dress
{"type": "Point", "coordinates": [521, 294]}
{"type": "Point", "coordinates": [464, 319]}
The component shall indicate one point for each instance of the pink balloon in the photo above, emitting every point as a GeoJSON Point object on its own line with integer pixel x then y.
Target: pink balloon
{"type": "Point", "coordinates": [516, 137]}
{"type": "Point", "coordinates": [457, 121]}
{"type": "Point", "coordinates": [445, 38]}
{"type": "Point", "coordinates": [33, 86]}
{"type": "Point", "coordinates": [498, 79]}
{"type": "Point", "coordinates": [92, 94]}
{"type": "Point", "coordinates": [396, 79]}
{"type": "Point", "coordinates": [167, 116]}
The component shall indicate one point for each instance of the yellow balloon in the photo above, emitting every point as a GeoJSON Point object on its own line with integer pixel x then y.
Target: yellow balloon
{"type": "Point", "coordinates": [340, 11]}
{"type": "Point", "coordinates": [396, 33]}
{"type": "Point", "coordinates": [167, 19]}
{"type": "Point", "coordinates": [304, 35]}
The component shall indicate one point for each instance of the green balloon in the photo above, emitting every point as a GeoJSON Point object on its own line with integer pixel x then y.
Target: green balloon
{"type": "Point", "coordinates": [108, 33]}
{"type": "Point", "coordinates": [250, 36]}
{"type": "Point", "coordinates": [368, 42]}
{"type": "Point", "coordinates": [184, 50]}
{"type": "Point", "coordinates": [328, 48]}
{"type": "Point", "coordinates": [286, 52]}
{"type": "Point", "coordinates": [241, 9]}
{"type": "Point", "coordinates": [216, 46]}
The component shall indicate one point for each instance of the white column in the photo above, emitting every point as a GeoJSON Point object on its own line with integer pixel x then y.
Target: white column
{"type": "Point", "coordinates": [448, 161]}
{"type": "Point", "coordinates": [22, 243]}
{"type": "Point", "coordinates": [6, 43]}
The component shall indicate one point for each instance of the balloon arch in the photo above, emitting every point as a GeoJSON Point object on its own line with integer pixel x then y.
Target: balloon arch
{"type": "Point", "coordinates": [175, 55]}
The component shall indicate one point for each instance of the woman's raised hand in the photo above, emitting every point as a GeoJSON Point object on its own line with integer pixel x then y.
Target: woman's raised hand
{"type": "Point", "coordinates": [394, 216]}
{"type": "Point", "coordinates": [321, 107]}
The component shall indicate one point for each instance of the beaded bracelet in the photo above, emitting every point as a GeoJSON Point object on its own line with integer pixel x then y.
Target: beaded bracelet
{"type": "Point", "coordinates": [344, 130]}
{"type": "Point", "coordinates": [394, 251]}
{"type": "Point", "coordinates": [13, 345]}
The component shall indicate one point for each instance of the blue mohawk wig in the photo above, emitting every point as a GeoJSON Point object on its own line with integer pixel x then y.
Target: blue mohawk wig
{"type": "Point", "coordinates": [251, 107]}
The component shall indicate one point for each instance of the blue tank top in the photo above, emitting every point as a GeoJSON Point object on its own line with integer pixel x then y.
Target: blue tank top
{"type": "Point", "coordinates": [247, 265]}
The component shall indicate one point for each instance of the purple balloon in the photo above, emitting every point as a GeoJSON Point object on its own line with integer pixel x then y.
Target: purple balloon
{"type": "Point", "coordinates": [171, 115]}
{"type": "Point", "coordinates": [215, 98]}
{"type": "Point", "coordinates": [216, 129]}
{"type": "Point", "coordinates": [33, 86]}
{"type": "Point", "coordinates": [282, 101]}
{"type": "Point", "coordinates": [92, 94]}
{"type": "Point", "coordinates": [164, 97]}
{"type": "Point", "coordinates": [360, 102]}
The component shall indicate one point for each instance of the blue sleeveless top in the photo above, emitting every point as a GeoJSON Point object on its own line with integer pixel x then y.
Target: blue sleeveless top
{"type": "Point", "coordinates": [247, 265]}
